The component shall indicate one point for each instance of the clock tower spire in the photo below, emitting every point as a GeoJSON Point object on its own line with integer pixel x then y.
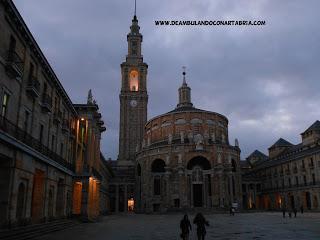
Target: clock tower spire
{"type": "Point", "coordinates": [133, 97]}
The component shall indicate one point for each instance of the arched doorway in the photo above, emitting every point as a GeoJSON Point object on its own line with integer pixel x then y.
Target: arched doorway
{"type": "Point", "coordinates": [21, 201]}
{"type": "Point", "coordinates": [196, 167]}
{"type": "Point", "coordinates": [159, 185]}
{"type": "Point", "coordinates": [308, 200]}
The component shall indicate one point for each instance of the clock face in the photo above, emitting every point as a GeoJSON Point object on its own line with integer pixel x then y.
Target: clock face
{"type": "Point", "coordinates": [133, 103]}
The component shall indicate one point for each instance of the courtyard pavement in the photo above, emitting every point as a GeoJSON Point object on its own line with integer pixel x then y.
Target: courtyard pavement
{"type": "Point", "coordinates": [264, 225]}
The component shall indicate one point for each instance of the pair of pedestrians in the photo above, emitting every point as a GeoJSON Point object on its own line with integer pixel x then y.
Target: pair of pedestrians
{"type": "Point", "coordinates": [201, 223]}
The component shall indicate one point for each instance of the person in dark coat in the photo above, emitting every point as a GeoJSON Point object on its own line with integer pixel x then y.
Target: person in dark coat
{"type": "Point", "coordinates": [295, 212]}
{"type": "Point", "coordinates": [301, 209]}
{"type": "Point", "coordinates": [185, 226]}
{"type": "Point", "coordinates": [201, 223]}
{"type": "Point", "coordinates": [284, 212]}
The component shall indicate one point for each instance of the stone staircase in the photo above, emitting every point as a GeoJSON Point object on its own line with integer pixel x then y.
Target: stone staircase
{"type": "Point", "coordinates": [36, 230]}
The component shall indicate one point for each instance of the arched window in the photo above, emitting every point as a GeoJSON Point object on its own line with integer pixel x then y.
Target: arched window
{"type": "Point", "coordinates": [200, 161]}
{"type": "Point", "coordinates": [157, 185]}
{"type": "Point", "coordinates": [158, 166]}
{"type": "Point", "coordinates": [21, 201]}
{"type": "Point", "coordinates": [134, 82]}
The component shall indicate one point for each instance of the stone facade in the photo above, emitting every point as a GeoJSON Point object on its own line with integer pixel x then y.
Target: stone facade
{"type": "Point", "coordinates": [185, 161]}
{"type": "Point", "coordinates": [49, 147]}
{"type": "Point", "coordinates": [133, 116]}
{"type": "Point", "coordinates": [133, 98]}
{"type": "Point", "coordinates": [289, 177]}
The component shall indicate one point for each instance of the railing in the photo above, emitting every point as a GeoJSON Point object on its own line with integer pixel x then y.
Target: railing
{"type": "Point", "coordinates": [293, 186]}
{"type": "Point", "coordinates": [33, 85]}
{"type": "Point", "coordinates": [46, 102]}
{"type": "Point", "coordinates": [15, 62]}
{"type": "Point", "coordinates": [21, 135]}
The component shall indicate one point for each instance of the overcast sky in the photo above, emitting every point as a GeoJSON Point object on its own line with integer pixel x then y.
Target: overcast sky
{"type": "Point", "coordinates": [264, 79]}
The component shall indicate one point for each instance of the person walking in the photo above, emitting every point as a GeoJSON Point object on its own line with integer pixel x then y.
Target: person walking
{"type": "Point", "coordinates": [301, 209]}
{"type": "Point", "coordinates": [185, 226]}
{"type": "Point", "coordinates": [201, 223]}
{"type": "Point", "coordinates": [295, 212]}
{"type": "Point", "coordinates": [284, 212]}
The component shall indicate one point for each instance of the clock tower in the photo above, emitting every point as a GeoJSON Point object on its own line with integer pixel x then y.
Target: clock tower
{"type": "Point", "coordinates": [133, 97]}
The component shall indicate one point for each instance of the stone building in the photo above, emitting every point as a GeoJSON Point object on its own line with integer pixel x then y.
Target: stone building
{"type": "Point", "coordinates": [49, 147]}
{"type": "Point", "coordinates": [133, 116]}
{"type": "Point", "coordinates": [185, 160]}
{"type": "Point", "coordinates": [181, 159]}
{"type": "Point", "coordinates": [289, 177]}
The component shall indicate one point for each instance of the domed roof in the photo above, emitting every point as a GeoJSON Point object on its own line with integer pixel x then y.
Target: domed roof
{"type": "Point", "coordinates": [185, 104]}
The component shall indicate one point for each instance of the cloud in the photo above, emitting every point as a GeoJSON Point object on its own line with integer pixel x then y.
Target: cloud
{"type": "Point", "coordinates": [264, 79]}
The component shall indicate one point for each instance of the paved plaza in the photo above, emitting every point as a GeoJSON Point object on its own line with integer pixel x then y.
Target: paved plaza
{"type": "Point", "coordinates": [222, 226]}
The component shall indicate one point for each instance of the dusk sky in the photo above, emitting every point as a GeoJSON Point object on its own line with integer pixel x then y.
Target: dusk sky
{"type": "Point", "coordinates": [264, 79]}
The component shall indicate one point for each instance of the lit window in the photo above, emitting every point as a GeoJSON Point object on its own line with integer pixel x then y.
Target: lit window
{"type": "Point", "coordinates": [134, 83]}
{"type": "Point", "coordinates": [4, 108]}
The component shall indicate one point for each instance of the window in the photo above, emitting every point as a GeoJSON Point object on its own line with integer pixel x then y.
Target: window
{"type": "Point", "coordinates": [305, 180]}
{"type": "Point", "coordinates": [45, 88]}
{"type": "Point", "coordinates": [53, 143]}
{"type": "Point", "coordinates": [176, 203]}
{"type": "Point", "coordinates": [297, 180]}
{"type": "Point", "coordinates": [289, 180]}
{"type": "Point", "coordinates": [61, 149]}
{"type": "Point", "coordinates": [41, 133]}
{"type": "Point", "coordinates": [234, 166]}
{"type": "Point", "coordinates": [26, 121]}
{"type": "Point", "coordinates": [31, 72]}
{"type": "Point", "coordinates": [311, 162]}
{"type": "Point", "coordinates": [313, 179]}
{"type": "Point", "coordinates": [12, 44]}
{"type": "Point", "coordinates": [4, 107]}
{"type": "Point", "coordinates": [244, 188]}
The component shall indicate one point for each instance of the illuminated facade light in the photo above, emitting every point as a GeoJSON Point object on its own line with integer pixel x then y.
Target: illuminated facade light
{"type": "Point", "coordinates": [130, 204]}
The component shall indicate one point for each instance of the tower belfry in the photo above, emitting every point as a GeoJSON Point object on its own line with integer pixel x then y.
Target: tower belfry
{"type": "Point", "coordinates": [184, 92]}
{"type": "Point", "coordinates": [133, 97]}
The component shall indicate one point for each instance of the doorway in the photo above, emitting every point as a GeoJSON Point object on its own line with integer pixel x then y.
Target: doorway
{"type": "Point", "coordinates": [37, 195]}
{"type": "Point", "coordinates": [308, 200]}
{"type": "Point", "coordinates": [197, 195]}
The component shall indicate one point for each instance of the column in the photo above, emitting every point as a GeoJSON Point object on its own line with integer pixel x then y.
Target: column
{"type": "Point", "coordinates": [212, 190]}
{"type": "Point", "coordinates": [125, 201]}
{"type": "Point", "coordinates": [117, 198]}
{"type": "Point", "coordinates": [205, 192]}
